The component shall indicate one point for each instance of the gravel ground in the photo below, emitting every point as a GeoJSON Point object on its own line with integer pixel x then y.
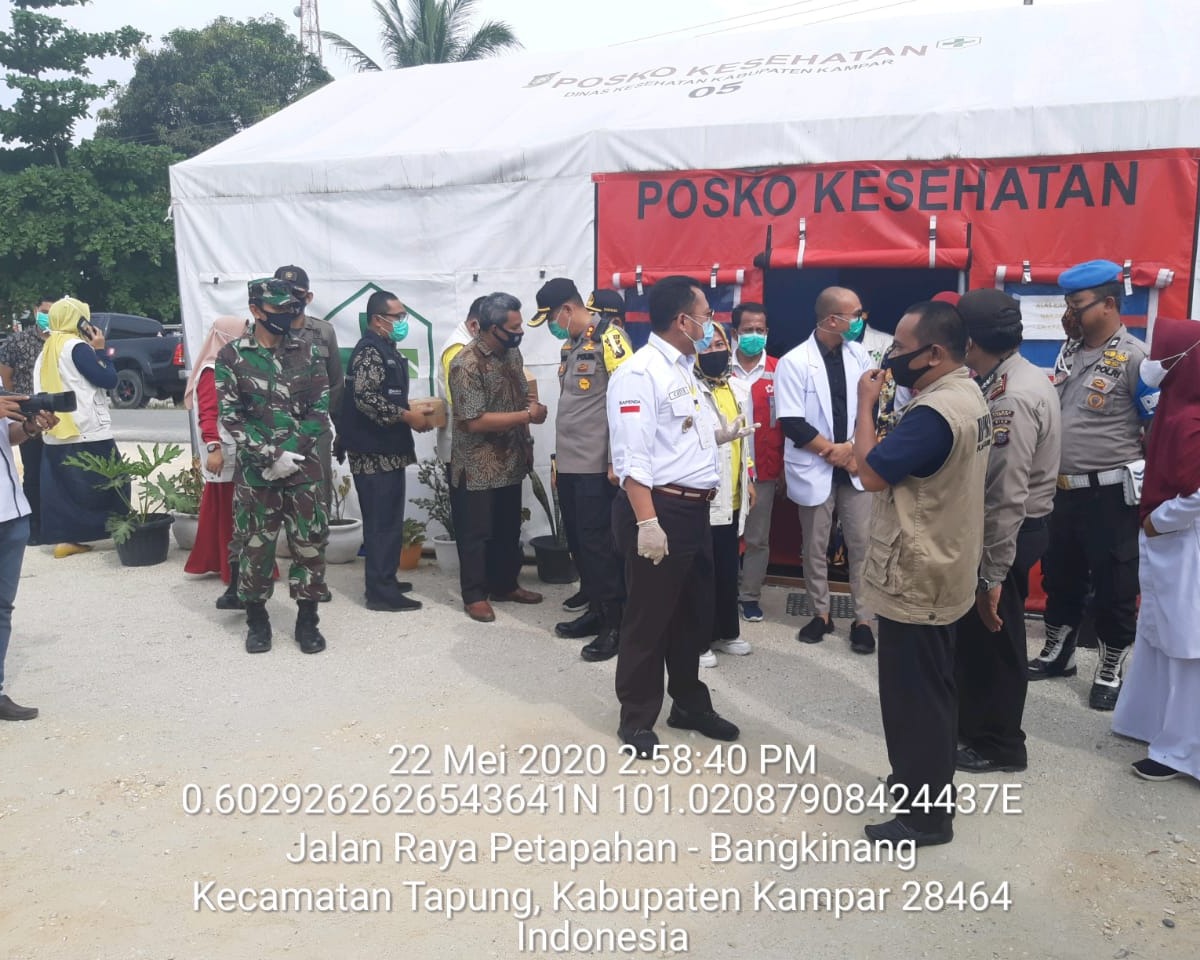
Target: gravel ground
{"type": "Point", "coordinates": [144, 689]}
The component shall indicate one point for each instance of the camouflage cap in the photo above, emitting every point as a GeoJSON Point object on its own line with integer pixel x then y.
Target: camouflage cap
{"type": "Point", "coordinates": [272, 292]}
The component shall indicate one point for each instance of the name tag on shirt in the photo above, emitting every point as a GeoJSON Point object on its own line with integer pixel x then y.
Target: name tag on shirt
{"type": "Point", "coordinates": [677, 393]}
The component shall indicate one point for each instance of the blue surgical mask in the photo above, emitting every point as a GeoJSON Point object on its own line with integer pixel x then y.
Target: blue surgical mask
{"type": "Point", "coordinates": [706, 339]}
{"type": "Point", "coordinates": [43, 321]}
{"type": "Point", "coordinates": [399, 331]}
{"type": "Point", "coordinates": [752, 344]}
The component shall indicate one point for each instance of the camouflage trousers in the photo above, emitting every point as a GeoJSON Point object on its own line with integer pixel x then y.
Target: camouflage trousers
{"type": "Point", "coordinates": [258, 515]}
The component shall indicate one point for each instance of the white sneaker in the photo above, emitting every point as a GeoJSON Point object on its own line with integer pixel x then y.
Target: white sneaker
{"type": "Point", "coordinates": [708, 658]}
{"type": "Point", "coordinates": [739, 648]}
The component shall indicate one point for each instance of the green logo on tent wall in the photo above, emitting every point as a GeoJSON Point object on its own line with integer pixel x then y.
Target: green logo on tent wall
{"type": "Point", "coordinates": [412, 354]}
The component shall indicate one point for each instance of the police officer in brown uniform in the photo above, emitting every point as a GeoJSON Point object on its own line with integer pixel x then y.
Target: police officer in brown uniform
{"type": "Point", "coordinates": [920, 571]}
{"type": "Point", "coordinates": [592, 350]}
{"type": "Point", "coordinates": [1093, 530]}
{"type": "Point", "coordinates": [1022, 471]}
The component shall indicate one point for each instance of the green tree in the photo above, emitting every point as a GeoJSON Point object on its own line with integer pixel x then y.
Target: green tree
{"type": "Point", "coordinates": [205, 85]}
{"type": "Point", "coordinates": [43, 118]}
{"type": "Point", "coordinates": [93, 228]}
{"type": "Point", "coordinates": [433, 31]}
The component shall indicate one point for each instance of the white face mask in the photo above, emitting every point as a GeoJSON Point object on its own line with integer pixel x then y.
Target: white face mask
{"type": "Point", "coordinates": [1153, 372]}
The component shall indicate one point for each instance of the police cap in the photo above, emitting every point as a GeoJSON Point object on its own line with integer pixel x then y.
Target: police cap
{"type": "Point", "coordinates": [554, 294]}
{"type": "Point", "coordinates": [607, 303]}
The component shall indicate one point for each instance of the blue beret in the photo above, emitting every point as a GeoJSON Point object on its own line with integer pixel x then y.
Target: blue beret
{"type": "Point", "coordinates": [1085, 276]}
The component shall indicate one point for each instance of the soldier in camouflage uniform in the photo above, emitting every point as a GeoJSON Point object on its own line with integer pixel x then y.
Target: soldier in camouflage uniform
{"type": "Point", "coordinates": [273, 398]}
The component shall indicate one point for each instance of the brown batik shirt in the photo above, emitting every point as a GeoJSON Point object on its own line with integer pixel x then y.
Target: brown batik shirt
{"type": "Point", "coordinates": [485, 382]}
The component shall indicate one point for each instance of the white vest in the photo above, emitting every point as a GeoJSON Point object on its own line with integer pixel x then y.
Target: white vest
{"type": "Point", "coordinates": [802, 390]}
{"type": "Point", "coordinates": [91, 414]}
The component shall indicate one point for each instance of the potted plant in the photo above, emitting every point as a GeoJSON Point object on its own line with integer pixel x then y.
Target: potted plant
{"type": "Point", "coordinates": [141, 532]}
{"type": "Point", "coordinates": [551, 552]}
{"type": "Point", "coordinates": [413, 543]}
{"type": "Point", "coordinates": [432, 473]}
{"type": "Point", "coordinates": [181, 493]}
{"type": "Point", "coordinates": [345, 533]}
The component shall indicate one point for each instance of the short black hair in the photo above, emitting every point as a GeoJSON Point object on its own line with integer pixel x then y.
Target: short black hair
{"type": "Point", "coordinates": [670, 297]}
{"type": "Point", "coordinates": [45, 300]}
{"type": "Point", "coordinates": [1114, 290]}
{"type": "Point", "coordinates": [495, 308]}
{"type": "Point", "coordinates": [750, 307]}
{"type": "Point", "coordinates": [940, 323]}
{"type": "Point", "coordinates": [473, 309]}
{"type": "Point", "coordinates": [377, 304]}
{"type": "Point", "coordinates": [999, 340]}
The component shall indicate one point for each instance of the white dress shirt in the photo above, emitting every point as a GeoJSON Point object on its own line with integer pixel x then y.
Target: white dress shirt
{"type": "Point", "coordinates": [12, 498]}
{"type": "Point", "coordinates": [754, 374]}
{"type": "Point", "coordinates": [659, 431]}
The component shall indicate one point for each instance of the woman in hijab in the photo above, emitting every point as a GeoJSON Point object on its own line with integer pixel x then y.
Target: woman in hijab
{"type": "Point", "coordinates": [729, 397]}
{"type": "Point", "coordinates": [73, 358]}
{"type": "Point", "coordinates": [1160, 702]}
{"type": "Point", "coordinates": [210, 554]}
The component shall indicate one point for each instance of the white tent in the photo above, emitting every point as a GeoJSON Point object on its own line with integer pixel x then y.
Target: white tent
{"type": "Point", "coordinates": [445, 182]}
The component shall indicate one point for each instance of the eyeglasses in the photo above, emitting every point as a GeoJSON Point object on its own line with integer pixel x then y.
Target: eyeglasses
{"type": "Point", "coordinates": [395, 317]}
{"type": "Point", "coordinates": [1079, 311]}
{"type": "Point", "coordinates": [703, 318]}
{"type": "Point", "coordinates": [850, 317]}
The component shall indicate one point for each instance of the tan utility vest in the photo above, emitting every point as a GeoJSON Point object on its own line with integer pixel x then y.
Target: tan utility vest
{"type": "Point", "coordinates": [927, 532]}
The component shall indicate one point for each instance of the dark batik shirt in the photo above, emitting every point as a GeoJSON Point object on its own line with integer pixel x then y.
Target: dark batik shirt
{"type": "Point", "coordinates": [368, 373]}
{"type": "Point", "coordinates": [20, 351]}
{"type": "Point", "coordinates": [485, 382]}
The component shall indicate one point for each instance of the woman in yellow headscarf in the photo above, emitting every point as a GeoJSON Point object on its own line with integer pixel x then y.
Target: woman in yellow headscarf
{"type": "Point", "coordinates": [73, 358]}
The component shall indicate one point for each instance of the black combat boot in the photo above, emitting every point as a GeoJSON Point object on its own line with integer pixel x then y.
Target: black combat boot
{"type": "Point", "coordinates": [604, 647]}
{"type": "Point", "coordinates": [307, 634]}
{"type": "Point", "coordinates": [229, 599]}
{"type": "Point", "coordinates": [1057, 658]}
{"type": "Point", "coordinates": [587, 625]}
{"type": "Point", "coordinates": [258, 634]}
{"type": "Point", "coordinates": [1106, 685]}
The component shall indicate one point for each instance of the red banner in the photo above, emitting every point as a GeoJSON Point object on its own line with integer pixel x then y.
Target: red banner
{"type": "Point", "coordinates": [1043, 211]}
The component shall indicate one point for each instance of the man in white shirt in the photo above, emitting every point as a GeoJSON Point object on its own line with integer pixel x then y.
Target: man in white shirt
{"type": "Point", "coordinates": [816, 396]}
{"type": "Point", "coordinates": [14, 529]}
{"type": "Point", "coordinates": [663, 442]}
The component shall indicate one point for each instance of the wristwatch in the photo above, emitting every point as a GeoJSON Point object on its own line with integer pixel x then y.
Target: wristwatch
{"type": "Point", "coordinates": [986, 586]}
{"type": "Point", "coordinates": [212, 447]}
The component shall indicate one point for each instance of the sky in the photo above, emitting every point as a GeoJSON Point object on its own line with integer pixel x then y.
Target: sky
{"type": "Point", "coordinates": [541, 25]}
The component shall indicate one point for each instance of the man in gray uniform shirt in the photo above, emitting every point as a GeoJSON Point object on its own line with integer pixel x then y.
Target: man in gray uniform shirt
{"type": "Point", "coordinates": [990, 660]}
{"type": "Point", "coordinates": [1094, 531]}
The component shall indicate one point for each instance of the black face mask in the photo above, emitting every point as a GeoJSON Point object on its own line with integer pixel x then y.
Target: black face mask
{"type": "Point", "coordinates": [902, 373]}
{"type": "Point", "coordinates": [508, 339]}
{"type": "Point", "coordinates": [714, 364]}
{"type": "Point", "coordinates": [278, 323]}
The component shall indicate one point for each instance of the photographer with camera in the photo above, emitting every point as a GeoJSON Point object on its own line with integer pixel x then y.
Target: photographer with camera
{"type": "Point", "coordinates": [14, 527]}
{"type": "Point", "coordinates": [73, 359]}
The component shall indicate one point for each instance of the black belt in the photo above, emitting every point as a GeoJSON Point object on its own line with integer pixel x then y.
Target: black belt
{"type": "Point", "coordinates": [686, 493]}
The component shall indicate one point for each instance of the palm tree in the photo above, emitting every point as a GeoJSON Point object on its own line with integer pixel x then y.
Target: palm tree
{"type": "Point", "coordinates": [432, 31]}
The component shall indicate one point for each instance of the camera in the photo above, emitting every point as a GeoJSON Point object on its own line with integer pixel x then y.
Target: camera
{"type": "Point", "coordinates": [50, 402]}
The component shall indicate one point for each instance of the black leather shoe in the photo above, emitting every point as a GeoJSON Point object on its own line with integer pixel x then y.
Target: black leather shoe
{"type": "Point", "coordinates": [971, 760]}
{"type": "Point", "coordinates": [815, 630]}
{"type": "Point", "coordinates": [896, 831]}
{"type": "Point", "coordinates": [308, 636]}
{"type": "Point", "coordinates": [587, 625]}
{"type": "Point", "coordinates": [258, 628]}
{"type": "Point", "coordinates": [13, 711]}
{"type": "Point", "coordinates": [396, 603]}
{"type": "Point", "coordinates": [709, 723]}
{"type": "Point", "coordinates": [576, 603]}
{"type": "Point", "coordinates": [604, 647]}
{"type": "Point", "coordinates": [862, 640]}
{"type": "Point", "coordinates": [642, 741]}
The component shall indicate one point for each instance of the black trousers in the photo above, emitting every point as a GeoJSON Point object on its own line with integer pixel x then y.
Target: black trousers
{"type": "Point", "coordinates": [726, 624]}
{"type": "Point", "coordinates": [990, 668]}
{"type": "Point", "coordinates": [31, 483]}
{"type": "Point", "coordinates": [587, 500]}
{"type": "Point", "coordinates": [663, 623]}
{"type": "Point", "coordinates": [917, 701]}
{"type": "Point", "coordinates": [1094, 536]}
{"type": "Point", "coordinates": [487, 526]}
{"type": "Point", "coordinates": [381, 497]}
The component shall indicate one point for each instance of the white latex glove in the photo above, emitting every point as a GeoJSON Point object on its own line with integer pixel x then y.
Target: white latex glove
{"type": "Point", "coordinates": [652, 541]}
{"type": "Point", "coordinates": [287, 464]}
{"type": "Point", "coordinates": [728, 432]}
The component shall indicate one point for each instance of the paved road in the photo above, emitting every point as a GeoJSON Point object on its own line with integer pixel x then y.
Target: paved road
{"type": "Point", "coordinates": [152, 425]}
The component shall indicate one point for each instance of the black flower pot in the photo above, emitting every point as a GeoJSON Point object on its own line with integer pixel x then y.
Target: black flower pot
{"type": "Point", "coordinates": [554, 563]}
{"type": "Point", "coordinates": [149, 543]}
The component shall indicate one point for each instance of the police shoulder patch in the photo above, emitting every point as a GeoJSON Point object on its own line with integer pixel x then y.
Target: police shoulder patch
{"type": "Point", "coordinates": [1000, 437]}
{"type": "Point", "coordinates": [999, 387]}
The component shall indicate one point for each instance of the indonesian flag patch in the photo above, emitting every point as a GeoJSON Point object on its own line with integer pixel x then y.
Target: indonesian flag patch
{"type": "Point", "coordinates": [631, 406]}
